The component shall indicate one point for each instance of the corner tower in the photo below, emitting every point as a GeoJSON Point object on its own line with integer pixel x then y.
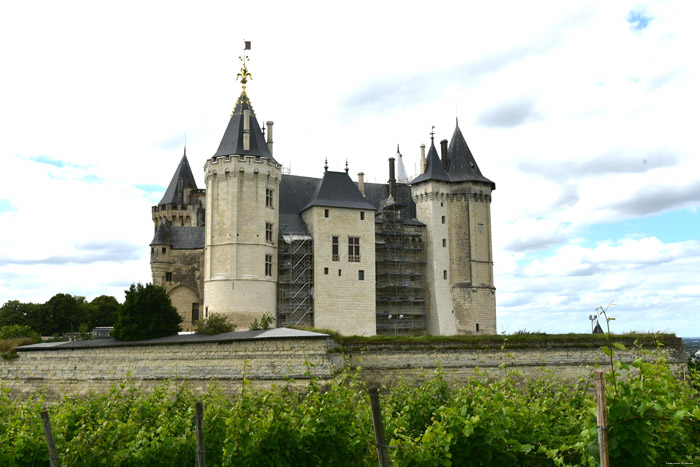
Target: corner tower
{"type": "Point", "coordinates": [242, 211]}
{"type": "Point", "coordinates": [453, 200]}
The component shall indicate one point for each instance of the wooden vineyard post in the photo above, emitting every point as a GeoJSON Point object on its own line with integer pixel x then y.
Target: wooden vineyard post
{"type": "Point", "coordinates": [199, 426]}
{"type": "Point", "coordinates": [601, 415]}
{"type": "Point", "coordinates": [378, 428]}
{"type": "Point", "coordinates": [53, 455]}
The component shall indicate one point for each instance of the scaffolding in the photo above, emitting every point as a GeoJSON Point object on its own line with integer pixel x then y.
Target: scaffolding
{"type": "Point", "coordinates": [401, 286]}
{"type": "Point", "coordinates": [295, 292]}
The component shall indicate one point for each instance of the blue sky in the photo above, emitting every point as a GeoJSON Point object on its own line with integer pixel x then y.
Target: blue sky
{"type": "Point", "coordinates": [583, 113]}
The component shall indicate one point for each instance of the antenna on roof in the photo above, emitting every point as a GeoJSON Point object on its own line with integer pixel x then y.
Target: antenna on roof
{"type": "Point", "coordinates": [346, 165]}
{"type": "Point", "coordinates": [185, 152]}
{"type": "Point", "coordinates": [432, 132]}
{"type": "Point", "coordinates": [325, 166]}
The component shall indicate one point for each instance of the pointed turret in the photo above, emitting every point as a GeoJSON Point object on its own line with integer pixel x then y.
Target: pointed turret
{"type": "Point", "coordinates": [182, 180]}
{"type": "Point", "coordinates": [162, 236]}
{"type": "Point", "coordinates": [463, 166]}
{"type": "Point", "coordinates": [401, 175]}
{"type": "Point", "coordinates": [433, 167]}
{"type": "Point", "coordinates": [243, 126]}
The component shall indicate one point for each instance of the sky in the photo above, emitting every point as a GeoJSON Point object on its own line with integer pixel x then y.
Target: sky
{"type": "Point", "coordinates": [584, 114]}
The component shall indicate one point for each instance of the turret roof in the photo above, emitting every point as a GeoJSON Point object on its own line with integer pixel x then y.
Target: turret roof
{"type": "Point", "coordinates": [162, 236]}
{"type": "Point", "coordinates": [433, 168]}
{"type": "Point", "coordinates": [462, 163]}
{"type": "Point", "coordinates": [232, 141]}
{"type": "Point", "coordinates": [183, 171]}
{"type": "Point", "coordinates": [336, 189]}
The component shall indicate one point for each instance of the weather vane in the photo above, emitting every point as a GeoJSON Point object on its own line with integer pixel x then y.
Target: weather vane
{"type": "Point", "coordinates": [244, 75]}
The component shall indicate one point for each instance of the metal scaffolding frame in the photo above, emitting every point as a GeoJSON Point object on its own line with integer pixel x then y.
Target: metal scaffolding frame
{"type": "Point", "coordinates": [400, 272]}
{"type": "Point", "coordinates": [295, 302]}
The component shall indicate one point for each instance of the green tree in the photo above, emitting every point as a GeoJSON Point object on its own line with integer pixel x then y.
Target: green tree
{"type": "Point", "coordinates": [147, 313]}
{"type": "Point", "coordinates": [15, 312]}
{"type": "Point", "coordinates": [264, 323]}
{"type": "Point", "coordinates": [102, 311]}
{"type": "Point", "coordinates": [216, 324]}
{"type": "Point", "coordinates": [63, 313]}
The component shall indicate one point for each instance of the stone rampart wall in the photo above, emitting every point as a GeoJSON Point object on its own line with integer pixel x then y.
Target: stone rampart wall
{"type": "Point", "coordinates": [268, 362]}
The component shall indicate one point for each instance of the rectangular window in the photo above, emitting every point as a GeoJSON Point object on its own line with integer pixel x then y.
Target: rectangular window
{"type": "Point", "coordinates": [325, 271]}
{"type": "Point", "coordinates": [334, 249]}
{"type": "Point", "coordinates": [361, 275]}
{"type": "Point", "coordinates": [268, 232]}
{"type": "Point", "coordinates": [325, 213]}
{"type": "Point", "coordinates": [268, 197]}
{"type": "Point", "coordinates": [481, 227]}
{"type": "Point", "coordinates": [268, 265]}
{"type": "Point", "coordinates": [163, 250]}
{"type": "Point", "coordinates": [443, 219]}
{"type": "Point", "coordinates": [195, 312]}
{"type": "Point", "coordinates": [362, 215]}
{"type": "Point", "coordinates": [340, 272]}
{"type": "Point", "coordinates": [354, 249]}
{"type": "Point", "coordinates": [168, 277]}
{"type": "Point", "coordinates": [444, 242]}
{"type": "Point", "coordinates": [444, 274]}
{"type": "Point", "coordinates": [477, 327]}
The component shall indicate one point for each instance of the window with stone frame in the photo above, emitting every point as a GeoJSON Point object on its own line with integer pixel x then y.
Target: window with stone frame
{"type": "Point", "coordinates": [335, 254]}
{"type": "Point", "coordinates": [168, 277]}
{"type": "Point", "coordinates": [268, 232]}
{"type": "Point", "coordinates": [268, 265]}
{"type": "Point", "coordinates": [354, 249]}
{"type": "Point", "coordinates": [195, 312]}
{"type": "Point", "coordinates": [269, 195]}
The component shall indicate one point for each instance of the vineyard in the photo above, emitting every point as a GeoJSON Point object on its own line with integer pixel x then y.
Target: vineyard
{"type": "Point", "coordinates": [653, 419]}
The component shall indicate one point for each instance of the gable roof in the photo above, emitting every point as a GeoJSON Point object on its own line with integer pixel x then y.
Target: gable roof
{"type": "Point", "coordinates": [232, 141]}
{"type": "Point", "coordinates": [183, 171]}
{"type": "Point", "coordinates": [336, 189]}
{"type": "Point", "coordinates": [462, 163]}
{"type": "Point", "coordinates": [433, 168]}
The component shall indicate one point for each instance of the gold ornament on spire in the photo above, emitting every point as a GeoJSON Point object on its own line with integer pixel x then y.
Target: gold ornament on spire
{"type": "Point", "coordinates": [244, 75]}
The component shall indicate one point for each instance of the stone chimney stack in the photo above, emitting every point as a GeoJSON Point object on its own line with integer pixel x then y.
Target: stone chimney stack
{"type": "Point", "coordinates": [246, 130]}
{"type": "Point", "coordinates": [269, 135]}
{"type": "Point", "coordinates": [361, 182]}
{"type": "Point", "coordinates": [392, 178]}
{"type": "Point", "coordinates": [422, 158]}
{"type": "Point", "coordinates": [444, 156]}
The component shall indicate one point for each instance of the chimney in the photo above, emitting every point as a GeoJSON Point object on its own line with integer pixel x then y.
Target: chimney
{"type": "Point", "coordinates": [361, 182]}
{"type": "Point", "coordinates": [269, 135]}
{"type": "Point", "coordinates": [422, 158]}
{"type": "Point", "coordinates": [392, 178]}
{"type": "Point", "coordinates": [246, 130]}
{"type": "Point", "coordinates": [443, 154]}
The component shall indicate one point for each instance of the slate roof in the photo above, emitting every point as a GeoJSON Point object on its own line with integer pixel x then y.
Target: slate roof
{"type": "Point", "coordinates": [433, 168]}
{"type": "Point", "coordinates": [232, 141]}
{"type": "Point", "coordinates": [162, 236]}
{"type": "Point", "coordinates": [187, 238]}
{"type": "Point", "coordinates": [183, 170]}
{"type": "Point", "coordinates": [277, 333]}
{"type": "Point", "coordinates": [296, 192]}
{"type": "Point", "coordinates": [337, 190]}
{"type": "Point", "coordinates": [462, 163]}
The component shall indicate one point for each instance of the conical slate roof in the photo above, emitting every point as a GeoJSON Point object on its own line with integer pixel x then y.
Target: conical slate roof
{"type": "Point", "coordinates": [462, 163]}
{"type": "Point", "coordinates": [433, 168]}
{"type": "Point", "coordinates": [183, 171]}
{"type": "Point", "coordinates": [336, 189]}
{"type": "Point", "coordinates": [162, 236]}
{"type": "Point", "coordinates": [401, 175]}
{"type": "Point", "coordinates": [232, 141]}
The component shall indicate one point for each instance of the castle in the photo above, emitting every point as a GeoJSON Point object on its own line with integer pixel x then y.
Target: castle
{"type": "Point", "coordinates": [408, 256]}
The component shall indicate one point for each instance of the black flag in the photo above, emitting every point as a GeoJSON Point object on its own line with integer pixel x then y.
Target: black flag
{"type": "Point", "coordinates": [247, 45]}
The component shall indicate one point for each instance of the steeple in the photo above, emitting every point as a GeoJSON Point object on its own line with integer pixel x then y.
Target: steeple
{"type": "Point", "coordinates": [462, 163]}
{"type": "Point", "coordinates": [182, 180]}
{"type": "Point", "coordinates": [243, 136]}
{"type": "Point", "coordinates": [401, 175]}
{"type": "Point", "coordinates": [433, 166]}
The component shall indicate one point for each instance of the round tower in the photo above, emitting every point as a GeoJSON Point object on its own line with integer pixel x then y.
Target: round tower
{"type": "Point", "coordinates": [242, 216]}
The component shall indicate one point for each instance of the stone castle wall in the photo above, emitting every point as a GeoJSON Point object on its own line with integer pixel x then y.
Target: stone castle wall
{"type": "Point", "coordinates": [278, 361]}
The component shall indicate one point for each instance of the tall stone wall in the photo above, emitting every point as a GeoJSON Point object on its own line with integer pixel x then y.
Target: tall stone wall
{"type": "Point", "coordinates": [291, 361]}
